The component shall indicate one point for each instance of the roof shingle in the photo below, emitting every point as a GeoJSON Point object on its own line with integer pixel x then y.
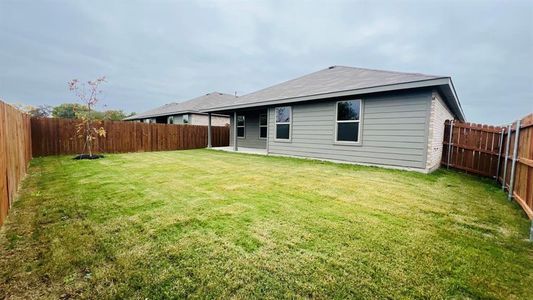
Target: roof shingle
{"type": "Point", "coordinates": [190, 106]}
{"type": "Point", "coordinates": [332, 79]}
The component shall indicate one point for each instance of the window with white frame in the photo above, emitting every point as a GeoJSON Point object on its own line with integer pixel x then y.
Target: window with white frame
{"type": "Point", "coordinates": [185, 119]}
{"type": "Point", "coordinates": [241, 126]}
{"type": "Point", "coordinates": [347, 127]}
{"type": "Point", "coordinates": [283, 122]}
{"type": "Point", "coordinates": [263, 130]}
{"type": "Point", "coordinates": [170, 120]}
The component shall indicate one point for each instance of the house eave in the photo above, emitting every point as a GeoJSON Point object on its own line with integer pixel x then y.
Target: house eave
{"type": "Point", "coordinates": [452, 95]}
{"type": "Point", "coordinates": [442, 82]}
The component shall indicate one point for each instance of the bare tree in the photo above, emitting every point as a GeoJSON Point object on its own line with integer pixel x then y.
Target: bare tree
{"type": "Point", "coordinates": [88, 129]}
{"type": "Point", "coordinates": [41, 111]}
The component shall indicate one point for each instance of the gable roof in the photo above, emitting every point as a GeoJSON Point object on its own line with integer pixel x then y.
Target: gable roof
{"type": "Point", "coordinates": [190, 106]}
{"type": "Point", "coordinates": [341, 81]}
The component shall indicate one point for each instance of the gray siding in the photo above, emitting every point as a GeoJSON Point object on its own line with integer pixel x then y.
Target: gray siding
{"type": "Point", "coordinates": [394, 131]}
{"type": "Point", "coordinates": [251, 139]}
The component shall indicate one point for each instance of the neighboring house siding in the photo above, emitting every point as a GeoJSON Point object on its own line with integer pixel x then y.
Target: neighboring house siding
{"type": "Point", "coordinates": [439, 114]}
{"type": "Point", "coordinates": [197, 119]}
{"type": "Point", "coordinates": [251, 139]}
{"type": "Point", "coordinates": [394, 131]}
{"type": "Point", "coordinates": [178, 119]}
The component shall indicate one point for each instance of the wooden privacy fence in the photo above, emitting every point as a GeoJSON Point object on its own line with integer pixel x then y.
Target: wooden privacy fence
{"type": "Point", "coordinates": [516, 170]}
{"type": "Point", "coordinates": [502, 153]}
{"type": "Point", "coordinates": [15, 154]}
{"type": "Point", "coordinates": [53, 136]}
{"type": "Point", "coordinates": [474, 148]}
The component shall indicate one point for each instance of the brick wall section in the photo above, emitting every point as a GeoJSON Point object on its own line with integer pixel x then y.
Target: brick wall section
{"type": "Point", "coordinates": [438, 115]}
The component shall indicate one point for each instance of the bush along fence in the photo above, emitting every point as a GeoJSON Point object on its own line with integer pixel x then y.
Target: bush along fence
{"type": "Point", "coordinates": [52, 136]}
{"type": "Point", "coordinates": [504, 153]}
{"type": "Point", "coordinates": [15, 154]}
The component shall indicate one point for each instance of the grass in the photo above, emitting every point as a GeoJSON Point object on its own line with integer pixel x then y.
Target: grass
{"type": "Point", "coordinates": [208, 224]}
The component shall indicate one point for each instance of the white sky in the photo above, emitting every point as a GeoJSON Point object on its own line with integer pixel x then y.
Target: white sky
{"type": "Point", "coordinates": [155, 52]}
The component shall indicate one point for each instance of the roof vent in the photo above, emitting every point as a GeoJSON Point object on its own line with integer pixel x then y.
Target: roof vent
{"type": "Point", "coordinates": [331, 67]}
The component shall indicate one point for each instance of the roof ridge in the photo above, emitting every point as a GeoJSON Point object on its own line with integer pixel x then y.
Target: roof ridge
{"type": "Point", "coordinates": [220, 93]}
{"type": "Point", "coordinates": [347, 67]}
{"type": "Point", "coordinates": [386, 71]}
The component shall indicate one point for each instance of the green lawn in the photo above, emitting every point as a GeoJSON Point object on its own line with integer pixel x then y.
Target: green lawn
{"type": "Point", "coordinates": [212, 224]}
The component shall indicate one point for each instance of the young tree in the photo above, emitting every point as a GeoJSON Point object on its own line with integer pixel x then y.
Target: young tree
{"type": "Point", "coordinates": [88, 129]}
{"type": "Point", "coordinates": [41, 111]}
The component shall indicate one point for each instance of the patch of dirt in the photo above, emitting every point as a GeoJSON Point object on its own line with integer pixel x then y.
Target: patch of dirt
{"type": "Point", "coordinates": [87, 156]}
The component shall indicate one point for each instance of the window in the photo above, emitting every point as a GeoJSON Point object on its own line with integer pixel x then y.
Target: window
{"type": "Point", "coordinates": [170, 120]}
{"type": "Point", "coordinates": [241, 126]}
{"type": "Point", "coordinates": [283, 122]}
{"type": "Point", "coordinates": [263, 126]}
{"type": "Point", "coordinates": [348, 120]}
{"type": "Point", "coordinates": [152, 120]}
{"type": "Point", "coordinates": [185, 119]}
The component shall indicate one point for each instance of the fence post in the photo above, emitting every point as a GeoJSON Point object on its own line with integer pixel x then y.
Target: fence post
{"type": "Point", "coordinates": [506, 157]}
{"type": "Point", "coordinates": [499, 156]}
{"type": "Point", "coordinates": [209, 138]}
{"type": "Point", "coordinates": [449, 145]}
{"type": "Point", "coordinates": [268, 131]}
{"type": "Point", "coordinates": [235, 140]}
{"type": "Point", "coordinates": [513, 165]}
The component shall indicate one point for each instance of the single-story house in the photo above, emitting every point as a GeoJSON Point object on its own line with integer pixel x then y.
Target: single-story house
{"type": "Point", "coordinates": [186, 112]}
{"type": "Point", "coordinates": [347, 114]}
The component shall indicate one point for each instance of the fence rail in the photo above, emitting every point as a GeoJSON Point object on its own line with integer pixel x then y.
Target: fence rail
{"type": "Point", "coordinates": [57, 137]}
{"type": "Point", "coordinates": [503, 153]}
{"type": "Point", "coordinates": [15, 154]}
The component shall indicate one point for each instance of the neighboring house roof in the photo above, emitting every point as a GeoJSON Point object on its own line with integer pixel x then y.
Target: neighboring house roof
{"type": "Point", "coordinates": [341, 81]}
{"type": "Point", "coordinates": [190, 106]}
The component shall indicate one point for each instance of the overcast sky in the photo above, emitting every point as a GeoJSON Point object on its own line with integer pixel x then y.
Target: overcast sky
{"type": "Point", "coordinates": [155, 52]}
